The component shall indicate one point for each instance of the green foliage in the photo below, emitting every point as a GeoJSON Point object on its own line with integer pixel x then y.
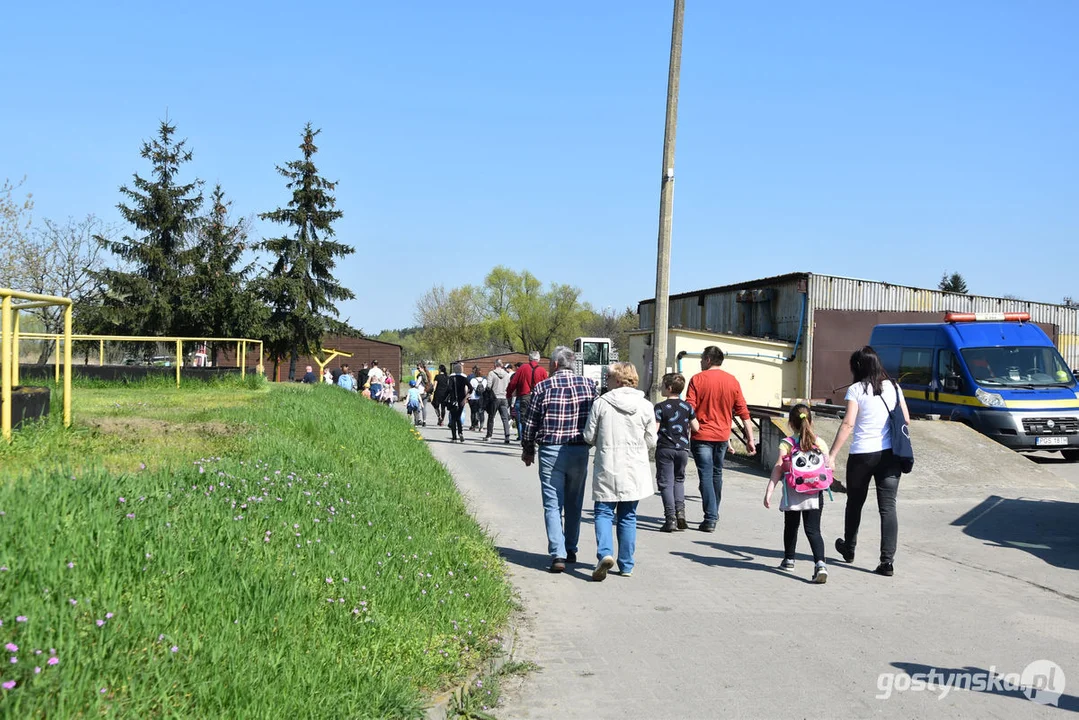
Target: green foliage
{"type": "Point", "coordinates": [202, 527]}
{"type": "Point", "coordinates": [300, 287]}
{"type": "Point", "coordinates": [412, 349]}
{"type": "Point", "coordinates": [512, 312]}
{"type": "Point", "coordinates": [953, 283]}
{"type": "Point", "coordinates": [149, 299]}
{"type": "Point", "coordinates": [223, 304]}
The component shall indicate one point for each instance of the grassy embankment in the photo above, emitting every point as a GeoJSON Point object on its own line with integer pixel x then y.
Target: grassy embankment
{"type": "Point", "coordinates": [235, 550]}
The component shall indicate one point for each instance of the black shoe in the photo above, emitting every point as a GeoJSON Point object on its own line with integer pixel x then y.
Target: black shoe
{"type": "Point", "coordinates": [669, 524]}
{"type": "Point", "coordinates": [680, 520]}
{"type": "Point", "coordinates": [885, 569]}
{"type": "Point", "coordinates": [507, 441]}
{"type": "Point", "coordinates": [841, 548]}
{"type": "Point", "coordinates": [571, 557]}
{"type": "Point", "coordinates": [707, 526]}
{"type": "Point", "coordinates": [557, 565]}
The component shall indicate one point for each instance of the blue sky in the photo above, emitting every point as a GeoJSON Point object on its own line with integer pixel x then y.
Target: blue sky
{"type": "Point", "coordinates": [889, 141]}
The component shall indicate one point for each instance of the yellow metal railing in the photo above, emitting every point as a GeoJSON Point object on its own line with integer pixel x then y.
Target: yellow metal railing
{"type": "Point", "coordinates": [12, 302]}
{"type": "Point", "coordinates": [330, 355]}
{"type": "Point", "coordinates": [241, 347]}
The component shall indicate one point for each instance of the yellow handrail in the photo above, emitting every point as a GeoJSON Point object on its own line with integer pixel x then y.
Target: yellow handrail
{"type": "Point", "coordinates": [329, 358]}
{"type": "Point", "coordinates": [241, 347]}
{"type": "Point", "coordinates": [10, 337]}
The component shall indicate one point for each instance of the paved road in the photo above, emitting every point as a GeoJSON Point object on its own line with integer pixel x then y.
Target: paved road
{"type": "Point", "coordinates": [1056, 464]}
{"type": "Point", "coordinates": [708, 627]}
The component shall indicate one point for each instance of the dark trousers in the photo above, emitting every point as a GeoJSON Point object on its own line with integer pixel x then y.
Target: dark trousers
{"type": "Point", "coordinates": [811, 521]}
{"type": "Point", "coordinates": [457, 428]}
{"type": "Point", "coordinates": [671, 478]}
{"type": "Point", "coordinates": [502, 408]}
{"type": "Point", "coordinates": [475, 414]}
{"type": "Point", "coordinates": [440, 408]}
{"type": "Point", "coordinates": [883, 468]}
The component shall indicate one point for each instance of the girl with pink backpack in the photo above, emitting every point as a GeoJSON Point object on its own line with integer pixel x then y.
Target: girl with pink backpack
{"type": "Point", "coordinates": [804, 469]}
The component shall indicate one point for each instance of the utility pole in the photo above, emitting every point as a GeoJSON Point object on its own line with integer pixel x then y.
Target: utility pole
{"type": "Point", "coordinates": [666, 203]}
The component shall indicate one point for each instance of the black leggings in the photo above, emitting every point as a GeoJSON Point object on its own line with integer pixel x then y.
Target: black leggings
{"type": "Point", "coordinates": [456, 427]}
{"type": "Point", "coordinates": [883, 468]}
{"type": "Point", "coordinates": [811, 518]}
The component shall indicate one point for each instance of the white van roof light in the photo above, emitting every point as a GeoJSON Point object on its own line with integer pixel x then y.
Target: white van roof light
{"type": "Point", "coordinates": [954, 317]}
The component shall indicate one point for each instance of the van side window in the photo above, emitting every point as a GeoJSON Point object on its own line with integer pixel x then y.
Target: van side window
{"type": "Point", "coordinates": [949, 378]}
{"type": "Point", "coordinates": [916, 366]}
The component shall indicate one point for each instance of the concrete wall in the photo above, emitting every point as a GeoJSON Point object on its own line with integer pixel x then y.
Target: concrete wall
{"type": "Point", "coordinates": [766, 380]}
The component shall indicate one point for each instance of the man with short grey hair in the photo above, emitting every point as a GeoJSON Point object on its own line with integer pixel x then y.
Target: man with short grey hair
{"type": "Point", "coordinates": [498, 381]}
{"type": "Point", "coordinates": [554, 421]}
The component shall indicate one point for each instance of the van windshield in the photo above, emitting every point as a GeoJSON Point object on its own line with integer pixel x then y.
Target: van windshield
{"type": "Point", "coordinates": [1029, 367]}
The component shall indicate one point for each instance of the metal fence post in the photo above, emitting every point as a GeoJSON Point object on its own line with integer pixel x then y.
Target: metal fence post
{"type": "Point", "coordinates": [179, 354]}
{"type": "Point", "coordinates": [15, 349]}
{"type": "Point", "coordinates": [56, 361]}
{"type": "Point", "coordinates": [101, 353]}
{"type": "Point", "coordinates": [243, 360]}
{"type": "Point", "coordinates": [5, 369]}
{"type": "Point", "coordinates": [67, 365]}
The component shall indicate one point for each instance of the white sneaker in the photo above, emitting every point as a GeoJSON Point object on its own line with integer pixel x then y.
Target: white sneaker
{"type": "Point", "coordinates": [820, 574]}
{"type": "Point", "coordinates": [600, 573]}
{"type": "Point", "coordinates": [787, 564]}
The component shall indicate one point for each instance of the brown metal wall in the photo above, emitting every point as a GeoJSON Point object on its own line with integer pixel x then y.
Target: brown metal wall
{"type": "Point", "coordinates": [362, 349]}
{"type": "Point", "coordinates": [838, 333]}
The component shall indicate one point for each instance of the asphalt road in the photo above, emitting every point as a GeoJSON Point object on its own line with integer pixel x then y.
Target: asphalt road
{"type": "Point", "coordinates": [1057, 465]}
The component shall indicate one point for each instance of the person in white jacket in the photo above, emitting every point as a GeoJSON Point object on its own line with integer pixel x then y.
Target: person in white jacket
{"type": "Point", "coordinates": [622, 427]}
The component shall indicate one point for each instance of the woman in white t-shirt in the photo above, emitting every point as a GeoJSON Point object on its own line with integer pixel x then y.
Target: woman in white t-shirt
{"type": "Point", "coordinates": [870, 400]}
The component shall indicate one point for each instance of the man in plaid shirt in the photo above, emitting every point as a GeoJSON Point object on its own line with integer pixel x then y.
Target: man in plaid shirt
{"type": "Point", "coordinates": [554, 421]}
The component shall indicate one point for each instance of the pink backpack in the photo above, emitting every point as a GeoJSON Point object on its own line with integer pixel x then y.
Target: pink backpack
{"type": "Point", "coordinates": [806, 470]}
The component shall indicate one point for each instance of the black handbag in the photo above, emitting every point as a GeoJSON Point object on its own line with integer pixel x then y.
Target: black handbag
{"type": "Point", "coordinates": [902, 448]}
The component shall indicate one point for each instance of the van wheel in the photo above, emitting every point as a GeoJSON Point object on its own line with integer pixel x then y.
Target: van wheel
{"type": "Point", "coordinates": [1070, 455]}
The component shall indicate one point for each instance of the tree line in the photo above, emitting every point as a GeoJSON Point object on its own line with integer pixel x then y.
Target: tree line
{"type": "Point", "coordinates": [187, 266]}
{"type": "Point", "coordinates": [510, 312]}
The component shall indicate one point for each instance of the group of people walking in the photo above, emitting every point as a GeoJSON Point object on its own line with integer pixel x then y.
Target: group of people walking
{"type": "Point", "coordinates": [565, 416]}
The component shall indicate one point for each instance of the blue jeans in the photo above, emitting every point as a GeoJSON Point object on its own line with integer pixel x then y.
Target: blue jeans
{"type": "Point", "coordinates": [375, 389]}
{"type": "Point", "coordinates": [625, 514]}
{"type": "Point", "coordinates": [563, 470]}
{"type": "Point", "coordinates": [709, 459]}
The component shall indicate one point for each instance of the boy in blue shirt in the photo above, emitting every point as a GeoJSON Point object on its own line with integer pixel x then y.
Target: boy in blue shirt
{"type": "Point", "coordinates": [675, 419]}
{"type": "Point", "coordinates": [414, 404]}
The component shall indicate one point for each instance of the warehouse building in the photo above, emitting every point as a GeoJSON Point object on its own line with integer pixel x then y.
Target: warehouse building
{"type": "Point", "coordinates": [791, 336]}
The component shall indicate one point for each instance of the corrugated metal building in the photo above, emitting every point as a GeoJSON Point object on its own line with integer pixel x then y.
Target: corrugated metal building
{"type": "Point", "coordinates": [826, 317]}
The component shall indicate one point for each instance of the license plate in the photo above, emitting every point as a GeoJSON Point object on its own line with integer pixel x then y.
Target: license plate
{"type": "Point", "coordinates": [1051, 441]}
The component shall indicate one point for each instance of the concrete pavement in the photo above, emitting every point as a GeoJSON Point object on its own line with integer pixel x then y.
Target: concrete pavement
{"type": "Point", "coordinates": [987, 578]}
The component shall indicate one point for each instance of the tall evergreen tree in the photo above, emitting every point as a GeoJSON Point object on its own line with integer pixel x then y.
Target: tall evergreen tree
{"type": "Point", "coordinates": [149, 299]}
{"type": "Point", "coordinates": [221, 302]}
{"type": "Point", "coordinates": [953, 283]}
{"type": "Point", "coordinates": [300, 287]}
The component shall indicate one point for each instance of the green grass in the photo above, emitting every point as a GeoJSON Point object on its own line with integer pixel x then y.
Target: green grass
{"type": "Point", "coordinates": [240, 502]}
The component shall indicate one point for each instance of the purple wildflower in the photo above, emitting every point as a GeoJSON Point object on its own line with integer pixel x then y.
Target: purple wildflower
{"type": "Point", "coordinates": [53, 661]}
{"type": "Point", "coordinates": [11, 647]}
{"type": "Point", "coordinates": [174, 649]}
{"type": "Point", "coordinates": [20, 618]}
{"type": "Point", "coordinates": [100, 623]}
{"type": "Point", "coordinates": [9, 685]}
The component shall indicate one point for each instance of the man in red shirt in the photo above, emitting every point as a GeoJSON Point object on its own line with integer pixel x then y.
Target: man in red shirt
{"type": "Point", "coordinates": [521, 384]}
{"type": "Point", "coordinates": [716, 397]}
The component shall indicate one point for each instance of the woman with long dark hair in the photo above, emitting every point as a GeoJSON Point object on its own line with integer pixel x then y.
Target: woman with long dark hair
{"type": "Point", "coordinates": [870, 399]}
{"type": "Point", "coordinates": [441, 392]}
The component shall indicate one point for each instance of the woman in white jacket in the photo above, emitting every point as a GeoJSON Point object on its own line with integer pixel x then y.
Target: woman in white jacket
{"type": "Point", "coordinates": [622, 427]}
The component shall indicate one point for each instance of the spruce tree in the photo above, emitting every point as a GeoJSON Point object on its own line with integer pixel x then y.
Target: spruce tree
{"type": "Point", "coordinates": [300, 288]}
{"type": "Point", "coordinates": [149, 299]}
{"type": "Point", "coordinates": [220, 301]}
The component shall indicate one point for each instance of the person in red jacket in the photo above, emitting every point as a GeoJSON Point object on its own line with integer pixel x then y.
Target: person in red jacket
{"type": "Point", "coordinates": [716, 397]}
{"type": "Point", "coordinates": [523, 381]}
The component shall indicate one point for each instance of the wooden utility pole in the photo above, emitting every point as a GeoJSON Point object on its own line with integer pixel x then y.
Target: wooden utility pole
{"type": "Point", "coordinates": [666, 203]}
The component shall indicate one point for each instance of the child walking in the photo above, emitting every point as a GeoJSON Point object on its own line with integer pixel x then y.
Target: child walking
{"type": "Point", "coordinates": [803, 469]}
{"type": "Point", "coordinates": [622, 428]}
{"type": "Point", "coordinates": [674, 421]}
{"type": "Point", "coordinates": [414, 404]}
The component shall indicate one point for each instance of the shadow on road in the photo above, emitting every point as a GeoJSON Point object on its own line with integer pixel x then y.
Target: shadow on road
{"type": "Point", "coordinates": [957, 678]}
{"type": "Point", "coordinates": [540, 562]}
{"type": "Point", "coordinates": [1047, 529]}
{"type": "Point", "coordinates": [745, 558]}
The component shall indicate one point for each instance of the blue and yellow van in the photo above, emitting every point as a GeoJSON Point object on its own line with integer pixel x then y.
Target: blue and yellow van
{"type": "Point", "coordinates": [998, 373]}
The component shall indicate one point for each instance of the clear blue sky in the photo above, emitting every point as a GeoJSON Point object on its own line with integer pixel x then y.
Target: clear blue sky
{"type": "Point", "coordinates": [889, 141]}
